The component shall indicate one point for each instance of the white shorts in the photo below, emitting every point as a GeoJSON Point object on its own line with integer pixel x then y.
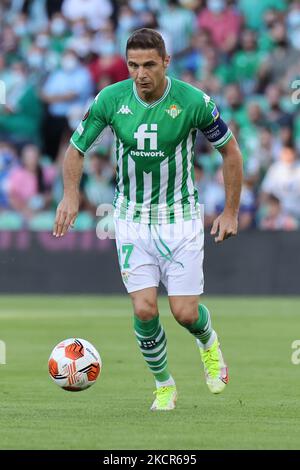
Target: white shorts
{"type": "Point", "coordinates": [171, 253]}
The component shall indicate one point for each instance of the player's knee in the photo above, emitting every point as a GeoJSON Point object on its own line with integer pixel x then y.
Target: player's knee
{"type": "Point", "coordinates": [145, 309]}
{"type": "Point", "coordinates": [185, 314]}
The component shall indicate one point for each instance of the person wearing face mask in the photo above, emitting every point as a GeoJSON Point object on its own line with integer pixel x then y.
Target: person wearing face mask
{"type": "Point", "coordinates": [293, 25]}
{"type": "Point", "coordinates": [282, 58]}
{"type": "Point", "coordinates": [58, 27]}
{"type": "Point", "coordinates": [95, 12]}
{"type": "Point", "coordinates": [127, 22]}
{"type": "Point", "coordinates": [42, 40]}
{"type": "Point", "coordinates": [21, 26]}
{"type": "Point", "coordinates": [20, 118]}
{"type": "Point", "coordinates": [8, 161]}
{"type": "Point", "coordinates": [139, 6]}
{"type": "Point", "coordinates": [59, 32]}
{"type": "Point", "coordinates": [283, 181]}
{"type": "Point", "coordinates": [254, 11]}
{"type": "Point", "coordinates": [223, 23]}
{"type": "Point", "coordinates": [65, 88]}
{"type": "Point", "coordinates": [35, 59]}
{"type": "Point", "coordinates": [177, 24]}
{"type": "Point", "coordinates": [69, 62]}
{"type": "Point", "coordinates": [109, 63]}
{"type": "Point", "coordinates": [82, 44]}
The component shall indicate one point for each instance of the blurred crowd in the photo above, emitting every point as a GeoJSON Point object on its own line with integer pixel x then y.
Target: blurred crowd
{"type": "Point", "coordinates": [55, 55]}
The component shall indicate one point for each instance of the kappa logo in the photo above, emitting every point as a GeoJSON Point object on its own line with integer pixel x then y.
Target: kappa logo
{"type": "Point", "coordinates": [124, 110]}
{"type": "Point", "coordinates": [173, 111]}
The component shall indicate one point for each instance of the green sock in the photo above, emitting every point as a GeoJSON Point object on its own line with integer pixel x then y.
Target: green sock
{"type": "Point", "coordinates": [152, 341]}
{"type": "Point", "coordinates": [201, 328]}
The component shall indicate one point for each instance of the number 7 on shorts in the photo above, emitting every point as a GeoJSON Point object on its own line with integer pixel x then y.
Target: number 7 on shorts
{"type": "Point", "coordinates": [127, 250]}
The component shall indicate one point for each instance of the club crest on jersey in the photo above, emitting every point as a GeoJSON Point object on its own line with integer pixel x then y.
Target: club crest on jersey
{"type": "Point", "coordinates": [173, 111]}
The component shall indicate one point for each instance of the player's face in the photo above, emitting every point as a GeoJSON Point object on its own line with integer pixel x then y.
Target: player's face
{"type": "Point", "coordinates": [148, 69]}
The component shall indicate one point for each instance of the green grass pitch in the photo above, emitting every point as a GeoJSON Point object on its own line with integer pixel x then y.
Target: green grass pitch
{"type": "Point", "coordinates": [260, 408]}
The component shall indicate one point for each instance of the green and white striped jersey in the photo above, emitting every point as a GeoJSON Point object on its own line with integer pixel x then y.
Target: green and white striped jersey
{"type": "Point", "coordinates": [154, 147]}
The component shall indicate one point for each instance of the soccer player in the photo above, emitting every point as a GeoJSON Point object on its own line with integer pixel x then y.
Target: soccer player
{"type": "Point", "coordinates": [158, 224]}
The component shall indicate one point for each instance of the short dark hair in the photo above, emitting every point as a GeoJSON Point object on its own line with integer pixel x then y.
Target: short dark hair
{"type": "Point", "coordinates": [146, 38]}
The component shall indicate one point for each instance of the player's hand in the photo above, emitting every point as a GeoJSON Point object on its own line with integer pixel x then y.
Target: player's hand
{"type": "Point", "coordinates": [224, 226]}
{"type": "Point", "coordinates": [66, 214]}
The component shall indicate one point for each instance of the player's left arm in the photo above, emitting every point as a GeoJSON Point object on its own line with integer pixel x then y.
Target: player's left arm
{"type": "Point", "coordinates": [226, 224]}
{"type": "Point", "coordinates": [207, 118]}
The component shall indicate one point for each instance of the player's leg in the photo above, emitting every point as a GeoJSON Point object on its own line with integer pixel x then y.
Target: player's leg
{"type": "Point", "coordinates": [196, 319]}
{"type": "Point", "coordinates": [140, 274]}
{"type": "Point", "coordinates": [182, 275]}
{"type": "Point", "coordinates": [152, 342]}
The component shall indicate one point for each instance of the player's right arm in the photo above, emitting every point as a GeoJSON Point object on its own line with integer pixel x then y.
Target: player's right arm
{"type": "Point", "coordinates": [87, 134]}
{"type": "Point", "coordinates": [67, 209]}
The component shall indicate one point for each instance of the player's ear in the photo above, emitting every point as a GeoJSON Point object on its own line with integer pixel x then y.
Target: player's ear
{"type": "Point", "coordinates": [167, 61]}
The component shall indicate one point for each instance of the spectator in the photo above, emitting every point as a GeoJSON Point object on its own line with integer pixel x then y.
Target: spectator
{"type": "Point", "coordinates": [9, 44]}
{"type": "Point", "coordinates": [283, 181]}
{"type": "Point", "coordinates": [281, 57]}
{"type": "Point", "coordinates": [214, 200]}
{"type": "Point", "coordinates": [108, 62]}
{"type": "Point", "coordinates": [59, 32]}
{"type": "Point", "coordinates": [65, 88]}
{"type": "Point", "coordinates": [244, 53]}
{"type": "Point", "coordinates": [127, 22]}
{"type": "Point", "coordinates": [208, 73]}
{"type": "Point", "coordinates": [272, 216]}
{"type": "Point", "coordinates": [223, 22]}
{"type": "Point", "coordinates": [20, 118]}
{"type": "Point", "coordinates": [98, 188]}
{"type": "Point", "coordinates": [27, 190]}
{"type": "Point", "coordinates": [293, 24]}
{"type": "Point", "coordinates": [96, 12]}
{"type": "Point", "coordinates": [246, 62]}
{"type": "Point", "coordinates": [179, 24]}
{"type": "Point", "coordinates": [235, 105]}
{"type": "Point", "coordinates": [111, 66]}
{"type": "Point", "coordinates": [254, 10]}
{"type": "Point", "coordinates": [275, 114]}
{"type": "Point", "coordinates": [8, 160]}
{"type": "Point", "coordinates": [262, 157]}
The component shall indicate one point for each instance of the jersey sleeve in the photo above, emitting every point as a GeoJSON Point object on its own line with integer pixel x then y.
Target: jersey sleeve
{"type": "Point", "coordinates": [89, 132]}
{"type": "Point", "coordinates": [209, 122]}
